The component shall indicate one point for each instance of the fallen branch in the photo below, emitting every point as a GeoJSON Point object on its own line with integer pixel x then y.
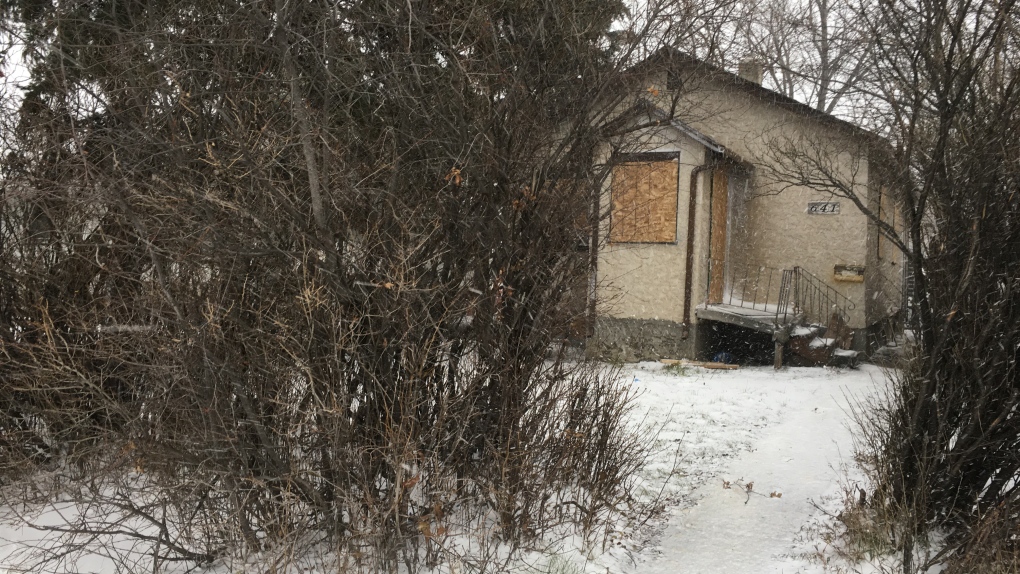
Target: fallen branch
{"type": "Point", "coordinates": [702, 364]}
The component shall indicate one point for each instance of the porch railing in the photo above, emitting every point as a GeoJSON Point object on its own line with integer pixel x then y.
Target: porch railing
{"type": "Point", "coordinates": [816, 302]}
{"type": "Point", "coordinates": [747, 286]}
{"type": "Point", "coordinates": [792, 296]}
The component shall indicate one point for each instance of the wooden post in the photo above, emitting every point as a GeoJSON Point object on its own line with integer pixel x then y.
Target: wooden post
{"type": "Point", "coordinates": [781, 337]}
{"type": "Point", "coordinates": [717, 234]}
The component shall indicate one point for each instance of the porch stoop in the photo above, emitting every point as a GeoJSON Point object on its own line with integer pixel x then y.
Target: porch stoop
{"type": "Point", "coordinates": [805, 316]}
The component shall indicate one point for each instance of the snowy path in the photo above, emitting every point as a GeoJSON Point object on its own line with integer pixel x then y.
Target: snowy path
{"type": "Point", "coordinates": [798, 454]}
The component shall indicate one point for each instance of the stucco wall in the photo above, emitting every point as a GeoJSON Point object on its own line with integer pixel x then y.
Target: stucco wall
{"type": "Point", "coordinates": [641, 286]}
{"type": "Point", "coordinates": [646, 281]}
{"type": "Point", "coordinates": [884, 277]}
{"type": "Point", "coordinates": [781, 234]}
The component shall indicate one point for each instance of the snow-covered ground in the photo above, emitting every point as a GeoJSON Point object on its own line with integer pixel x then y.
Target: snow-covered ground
{"type": "Point", "coordinates": [763, 453]}
{"type": "Point", "coordinates": [755, 455]}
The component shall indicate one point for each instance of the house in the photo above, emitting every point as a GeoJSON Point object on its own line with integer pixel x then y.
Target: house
{"type": "Point", "coordinates": [733, 214]}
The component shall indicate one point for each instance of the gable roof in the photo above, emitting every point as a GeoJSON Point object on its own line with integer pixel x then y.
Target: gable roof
{"type": "Point", "coordinates": [689, 131]}
{"type": "Point", "coordinates": [674, 59]}
{"type": "Point", "coordinates": [645, 106]}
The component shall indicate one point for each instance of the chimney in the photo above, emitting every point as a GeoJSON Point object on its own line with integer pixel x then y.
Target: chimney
{"type": "Point", "coordinates": [751, 70]}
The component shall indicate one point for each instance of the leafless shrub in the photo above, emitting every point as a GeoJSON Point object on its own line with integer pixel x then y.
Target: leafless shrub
{"type": "Point", "coordinates": [940, 449]}
{"type": "Point", "coordinates": [873, 522]}
{"type": "Point", "coordinates": [290, 273]}
{"type": "Point", "coordinates": [991, 544]}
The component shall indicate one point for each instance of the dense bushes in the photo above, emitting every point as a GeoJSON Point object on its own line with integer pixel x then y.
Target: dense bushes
{"type": "Point", "coordinates": [293, 271]}
{"type": "Point", "coordinates": [942, 451]}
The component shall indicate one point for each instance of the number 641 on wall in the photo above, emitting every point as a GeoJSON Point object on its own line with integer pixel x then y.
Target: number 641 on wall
{"type": "Point", "coordinates": [823, 207]}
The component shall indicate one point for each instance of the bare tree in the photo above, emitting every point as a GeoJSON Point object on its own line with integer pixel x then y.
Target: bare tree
{"type": "Point", "coordinates": [815, 51]}
{"type": "Point", "coordinates": [943, 450]}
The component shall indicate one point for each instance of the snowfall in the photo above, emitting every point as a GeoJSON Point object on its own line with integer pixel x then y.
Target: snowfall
{"type": "Point", "coordinates": [753, 465]}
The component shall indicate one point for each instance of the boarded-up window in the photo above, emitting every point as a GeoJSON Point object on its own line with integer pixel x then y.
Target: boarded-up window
{"type": "Point", "coordinates": [644, 195]}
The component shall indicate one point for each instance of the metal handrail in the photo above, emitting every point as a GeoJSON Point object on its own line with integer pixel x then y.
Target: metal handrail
{"type": "Point", "coordinates": [812, 296]}
{"type": "Point", "coordinates": [794, 295]}
{"type": "Point", "coordinates": [783, 308]}
{"type": "Point", "coordinates": [749, 286]}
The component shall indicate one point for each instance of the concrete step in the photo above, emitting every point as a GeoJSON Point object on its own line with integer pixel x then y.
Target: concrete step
{"type": "Point", "coordinates": [845, 358]}
{"type": "Point", "coordinates": [810, 350]}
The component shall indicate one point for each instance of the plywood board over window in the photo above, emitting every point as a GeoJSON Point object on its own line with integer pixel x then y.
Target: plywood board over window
{"type": "Point", "coordinates": [644, 197]}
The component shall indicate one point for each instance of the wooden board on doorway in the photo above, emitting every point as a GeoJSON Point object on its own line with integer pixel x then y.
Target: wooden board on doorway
{"type": "Point", "coordinates": [717, 247]}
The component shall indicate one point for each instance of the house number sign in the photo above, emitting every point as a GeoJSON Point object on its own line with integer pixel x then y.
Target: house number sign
{"type": "Point", "coordinates": [823, 207]}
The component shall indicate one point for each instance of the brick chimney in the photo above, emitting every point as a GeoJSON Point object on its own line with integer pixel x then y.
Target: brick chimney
{"type": "Point", "coordinates": [751, 70]}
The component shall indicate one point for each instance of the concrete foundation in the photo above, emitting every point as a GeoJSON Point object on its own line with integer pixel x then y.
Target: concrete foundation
{"type": "Point", "coordinates": [630, 340]}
